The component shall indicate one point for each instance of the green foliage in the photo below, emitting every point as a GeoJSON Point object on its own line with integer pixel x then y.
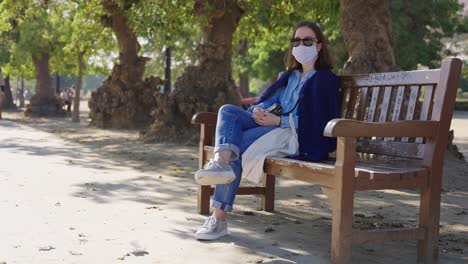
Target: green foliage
{"type": "Point", "coordinates": [161, 24]}
{"type": "Point", "coordinates": [82, 31]}
{"type": "Point", "coordinates": [268, 25]}
{"type": "Point", "coordinates": [65, 27]}
{"type": "Point", "coordinates": [60, 28]}
{"type": "Point", "coordinates": [422, 28]}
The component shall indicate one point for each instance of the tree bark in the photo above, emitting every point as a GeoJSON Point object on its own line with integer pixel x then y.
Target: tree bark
{"type": "Point", "coordinates": [57, 83]}
{"type": "Point", "coordinates": [124, 100]}
{"type": "Point", "coordinates": [79, 84]}
{"type": "Point", "coordinates": [366, 26]}
{"type": "Point", "coordinates": [43, 102]}
{"type": "Point", "coordinates": [244, 75]}
{"type": "Point", "coordinates": [206, 86]}
{"type": "Point", "coordinates": [43, 79]}
{"type": "Point", "coordinates": [21, 94]}
{"type": "Point", "coordinates": [8, 103]}
{"type": "Point", "coordinates": [167, 70]}
{"type": "Point", "coordinates": [133, 66]}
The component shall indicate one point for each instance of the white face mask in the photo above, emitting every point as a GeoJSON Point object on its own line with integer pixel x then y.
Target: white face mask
{"type": "Point", "coordinates": [305, 55]}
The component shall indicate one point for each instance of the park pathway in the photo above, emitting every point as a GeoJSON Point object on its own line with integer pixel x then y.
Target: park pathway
{"type": "Point", "coordinates": [460, 125]}
{"type": "Point", "coordinates": [62, 202]}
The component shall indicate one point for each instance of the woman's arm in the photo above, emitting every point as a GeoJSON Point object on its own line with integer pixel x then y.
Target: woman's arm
{"type": "Point", "coordinates": [263, 118]}
{"type": "Point", "coordinates": [267, 102]}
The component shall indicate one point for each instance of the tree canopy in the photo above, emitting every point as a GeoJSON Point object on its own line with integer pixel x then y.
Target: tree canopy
{"type": "Point", "coordinates": [60, 28]}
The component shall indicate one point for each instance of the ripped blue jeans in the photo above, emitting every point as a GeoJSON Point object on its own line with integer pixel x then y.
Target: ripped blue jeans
{"type": "Point", "coordinates": [235, 131]}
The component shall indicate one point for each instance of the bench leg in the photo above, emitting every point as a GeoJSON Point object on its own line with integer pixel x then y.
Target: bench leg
{"type": "Point", "coordinates": [429, 216]}
{"type": "Point", "coordinates": [268, 199]}
{"type": "Point", "coordinates": [342, 226]}
{"type": "Point", "coordinates": [204, 193]}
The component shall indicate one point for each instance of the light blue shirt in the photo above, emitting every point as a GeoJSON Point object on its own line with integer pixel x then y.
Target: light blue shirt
{"type": "Point", "coordinates": [287, 97]}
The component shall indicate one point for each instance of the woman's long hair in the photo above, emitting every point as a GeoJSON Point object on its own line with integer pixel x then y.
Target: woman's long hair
{"type": "Point", "coordinates": [323, 61]}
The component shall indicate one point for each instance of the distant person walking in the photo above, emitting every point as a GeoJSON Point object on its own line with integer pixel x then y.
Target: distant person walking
{"type": "Point", "coordinates": [65, 97]}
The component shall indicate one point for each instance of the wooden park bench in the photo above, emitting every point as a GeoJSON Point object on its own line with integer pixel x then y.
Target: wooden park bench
{"type": "Point", "coordinates": [398, 114]}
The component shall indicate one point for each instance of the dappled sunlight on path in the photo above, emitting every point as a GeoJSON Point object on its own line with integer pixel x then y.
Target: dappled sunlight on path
{"type": "Point", "coordinates": [86, 195]}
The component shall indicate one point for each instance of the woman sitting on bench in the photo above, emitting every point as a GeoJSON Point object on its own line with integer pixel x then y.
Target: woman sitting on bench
{"type": "Point", "coordinates": [305, 98]}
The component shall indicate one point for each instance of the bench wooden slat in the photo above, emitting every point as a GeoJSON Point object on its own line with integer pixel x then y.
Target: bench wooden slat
{"type": "Point", "coordinates": [392, 180]}
{"type": "Point", "coordinates": [404, 233]}
{"type": "Point", "coordinates": [397, 108]}
{"type": "Point", "coordinates": [391, 148]}
{"type": "Point", "coordinates": [344, 101]}
{"type": "Point", "coordinates": [391, 78]}
{"type": "Point", "coordinates": [412, 105]}
{"type": "Point", "coordinates": [351, 103]}
{"type": "Point", "coordinates": [426, 108]}
{"type": "Point", "coordinates": [398, 103]}
{"type": "Point", "coordinates": [373, 104]}
{"type": "Point", "coordinates": [311, 172]}
{"type": "Point", "coordinates": [362, 103]}
{"type": "Point", "coordinates": [427, 103]}
{"type": "Point", "coordinates": [385, 105]}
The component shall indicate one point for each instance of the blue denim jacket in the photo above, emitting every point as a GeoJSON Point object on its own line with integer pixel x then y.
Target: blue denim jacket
{"type": "Point", "coordinates": [287, 97]}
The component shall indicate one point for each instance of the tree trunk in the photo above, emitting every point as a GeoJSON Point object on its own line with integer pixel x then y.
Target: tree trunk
{"type": "Point", "coordinates": [366, 26]}
{"type": "Point", "coordinates": [43, 80]}
{"type": "Point", "coordinates": [206, 86]}
{"type": "Point", "coordinates": [43, 102]}
{"type": "Point", "coordinates": [167, 70]}
{"type": "Point", "coordinates": [79, 84]}
{"type": "Point", "coordinates": [244, 84]}
{"type": "Point", "coordinates": [8, 103]}
{"type": "Point", "coordinates": [21, 94]}
{"type": "Point", "coordinates": [57, 83]}
{"type": "Point", "coordinates": [123, 100]}
{"type": "Point", "coordinates": [244, 76]}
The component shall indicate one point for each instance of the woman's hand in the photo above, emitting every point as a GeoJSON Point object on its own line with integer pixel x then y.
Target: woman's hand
{"type": "Point", "coordinates": [263, 118]}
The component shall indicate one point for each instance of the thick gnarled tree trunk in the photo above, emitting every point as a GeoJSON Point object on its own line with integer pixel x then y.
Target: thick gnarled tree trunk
{"type": "Point", "coordinates": [366, 26]}
{"type": "Point", "coordinates": [124, 100]}
{"type": "Point", "coordinates": [43, 102]}
{"type": "Point", "coordinates": [206, 86]}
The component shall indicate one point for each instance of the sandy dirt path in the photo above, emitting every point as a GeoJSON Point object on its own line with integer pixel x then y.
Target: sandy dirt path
{"type": "Point", "coordinates": [460, 125]}
{"type": "Point", "coordinates": [74, 194]}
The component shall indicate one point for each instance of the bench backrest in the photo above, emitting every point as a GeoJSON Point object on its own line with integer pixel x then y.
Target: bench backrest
{"type": "Point", "coordinates": [411, 95]}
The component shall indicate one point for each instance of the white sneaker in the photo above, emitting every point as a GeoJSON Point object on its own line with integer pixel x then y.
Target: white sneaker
{"type": "Point", "coordinates": [212, 229]}
{"type": "Point", "coordinates": [215, 172]}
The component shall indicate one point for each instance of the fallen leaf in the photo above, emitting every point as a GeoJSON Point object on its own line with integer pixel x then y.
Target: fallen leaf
{"type": "Point", "coordinates": [74, 253]}
{"type": "Point", "coordinates": [140, 253]}
{"type": "Point", "coordinates": [46, 248]}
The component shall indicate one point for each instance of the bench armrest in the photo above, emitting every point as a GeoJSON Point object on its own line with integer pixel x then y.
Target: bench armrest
{"type": "Point", "coordinates": [207, 118]}
{"type": "Point", "coordinates": [352, 128]}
